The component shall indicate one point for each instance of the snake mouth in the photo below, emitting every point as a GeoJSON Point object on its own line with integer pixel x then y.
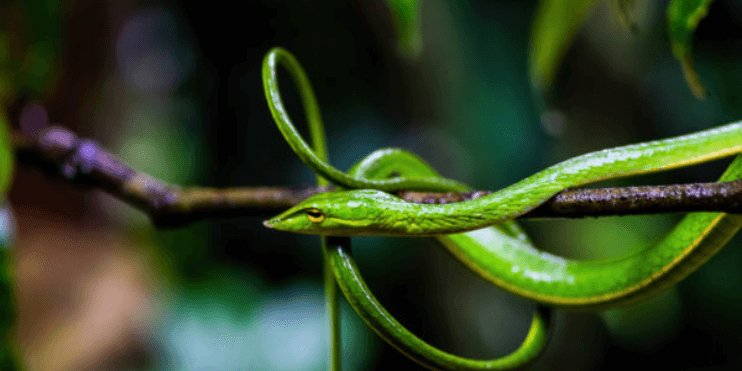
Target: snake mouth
{"type": "Point", "coordinates": [283, 221]}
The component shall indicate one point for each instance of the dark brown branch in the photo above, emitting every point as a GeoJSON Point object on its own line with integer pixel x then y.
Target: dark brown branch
{"type": "Point", "coordinates": [62, 153]}
{"type": "Point", "coordinates": [580, 203]}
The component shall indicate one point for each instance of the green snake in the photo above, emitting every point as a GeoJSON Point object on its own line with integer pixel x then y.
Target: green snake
{"type": "Point", "coordinates": [481, 233]}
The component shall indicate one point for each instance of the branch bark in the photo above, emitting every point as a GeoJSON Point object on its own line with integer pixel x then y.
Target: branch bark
{"type": "Point", "coordinates": [61, 153]}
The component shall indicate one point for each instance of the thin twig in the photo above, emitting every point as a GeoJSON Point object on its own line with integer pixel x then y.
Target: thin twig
{"type": "Point", "coordinates": [62, 153]}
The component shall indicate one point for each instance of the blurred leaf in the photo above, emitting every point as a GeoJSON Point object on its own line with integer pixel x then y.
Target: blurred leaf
{"type": "Point", "coordinates": [683, 17]}
{"type": "Point", "coordinates": [406, 18]}
{"type": "Point", "coordinates": [7, 232]}
{"type": "Point", "coordinates": [623, 11]}
{"type": "Point", "coordinates": [6, 156]}
{"type": "Point", "coordinates": [7, 239]}
{"type": "Point", "coordinates": [554, 27]}
{"type": "Point", "coordinates": [29, 43]}
{"type": "Point", "coordinates": [29, 32]}
{"type": "Point", "coordinates": [44, 17]}
{"type": "Point", "coordinates": [6, 78]}
{"type": "Point", "coordinates": [234, 322]}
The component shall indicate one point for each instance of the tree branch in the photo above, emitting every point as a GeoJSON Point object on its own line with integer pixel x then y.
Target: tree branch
{"type": "Point", "coordinates": [61, 153]}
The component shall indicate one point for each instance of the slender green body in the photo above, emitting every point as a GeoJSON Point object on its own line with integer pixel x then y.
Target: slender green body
{"type": "Point", "coordinates": [511, 261]}
{"type": "Point", "coordinates": [378, 213]}
{"type": "Point", "coordinates": [508, 261]}
{"type": "Point", "coordinates": [504, 256]}
{"type": "Point", "coordinates": [336, 250]}
{"type": "Point", "coordinates": [518, 267]}
{"type": "Point", "coordinates": [481, 234]}
{"type": "Point", "coordinates": [371, 311]}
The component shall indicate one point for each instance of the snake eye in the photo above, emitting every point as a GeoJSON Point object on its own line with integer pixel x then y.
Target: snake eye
{"type": "Point", "coordinates": [315, 215]}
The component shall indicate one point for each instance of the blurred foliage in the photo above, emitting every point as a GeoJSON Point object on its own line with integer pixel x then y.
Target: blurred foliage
{"type": "Point", "coordinates": [7, 234]}
{"type": "Point", "coordinates": [7, 158]}
{"type": "Point", "coordinates": [233, 319]}
{"type": "Point", "coordinates": [624, 9]}
{"type": "Point", "coordinates": [8, 349]}
{"type": "Point", "coordinates": [29, 43]}
{"type": "Point", "coordinates": [683, 17]}
{"type": "Point", "coordinates": [554, 27]}
{"type": "Point", "coordinates": [406, 17]}
{"type": "Point", "coordinates": [557, 21]}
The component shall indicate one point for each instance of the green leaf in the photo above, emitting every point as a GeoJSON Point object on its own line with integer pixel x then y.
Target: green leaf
{"type": "Point", "coordinates": [7, 163]}
{"type": "Point", "coordinates": [683, 17]}
{"type": "Point", "coordinates": [43, 25]}
{"type": "Point", "coordinates": [623, 10]}
{"type": "Point", "coordinates": [6, 77]}
{"type": "Point", "coordinates": [8, 349]}
{"type": "Point", "coordinates": [406, 18]}
{"type": "Point", "coordinates": [29, 44]}
{"type": "Point", "coordinates": [554, 28]}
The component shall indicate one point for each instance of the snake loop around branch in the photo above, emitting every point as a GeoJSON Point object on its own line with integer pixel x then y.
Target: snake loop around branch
{"type": "Point", "coordinates": [374, 172]}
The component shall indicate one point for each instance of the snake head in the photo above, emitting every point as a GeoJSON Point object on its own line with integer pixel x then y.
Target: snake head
{"type": "Point", "coordinates": [342, 213]}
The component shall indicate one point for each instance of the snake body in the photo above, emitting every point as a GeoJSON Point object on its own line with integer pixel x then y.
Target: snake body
{"type": "Point", "coordinates": [504, 255]}
{"type": "Point", "coordinates": [481, 233]}
{"type": "Point", "coordinates": [510, 261]}
{"type": "Point", "coordinates": [374, 212]}
{"type": "Point", "coordinates": [378, 167]}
